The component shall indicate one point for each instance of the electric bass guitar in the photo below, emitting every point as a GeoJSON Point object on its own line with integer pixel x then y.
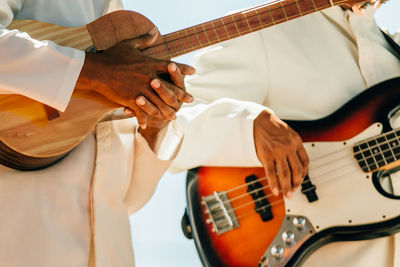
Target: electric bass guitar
{"type": "Point", "coordinates": [34, 136]}
{"type": "Point", "coordinates": [347, 195]}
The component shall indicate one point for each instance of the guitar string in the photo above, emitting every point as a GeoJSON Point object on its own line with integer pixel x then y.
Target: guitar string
{"type": "Point", "coordinates": [270, 195]}
{"type": "Point", "coordinates": [272, 203]}
{"type": "Point", "coordinates": [338, 176]}
{"type": "Point", "coordinates": [186, 37]}
{"type": "Point", "coordinates": [317, 177]}
{"type": "Point", "coordinates": [315, 167]}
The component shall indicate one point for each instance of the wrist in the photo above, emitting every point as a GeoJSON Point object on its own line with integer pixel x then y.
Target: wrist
{"type": "Point", "coordinates": [154, 135]}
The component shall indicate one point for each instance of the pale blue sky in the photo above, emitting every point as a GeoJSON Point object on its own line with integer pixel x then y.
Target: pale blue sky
{"type": "Point", "coordinates": [157, 238]}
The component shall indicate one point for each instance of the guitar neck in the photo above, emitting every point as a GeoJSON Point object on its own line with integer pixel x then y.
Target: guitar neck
{"type": "Point", "coordinates": [231, 26]}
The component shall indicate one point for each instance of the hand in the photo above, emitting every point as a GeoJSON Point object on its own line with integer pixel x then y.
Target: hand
{"type": "Point", "coordinates": [122, 73]}
{"type": "Point", "coordinates": [156, 121]}
{"type": "Point", "coordinates": [281, 152]}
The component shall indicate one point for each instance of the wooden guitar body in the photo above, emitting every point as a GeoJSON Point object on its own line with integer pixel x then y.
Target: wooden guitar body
{"type": "Point", "coordinates": [29, 140]}
{"type": "Point", "coordinates": [351, 151]}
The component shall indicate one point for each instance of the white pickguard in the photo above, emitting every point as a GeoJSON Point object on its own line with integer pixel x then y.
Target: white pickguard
{"type": "Point", "coordinates": [346, 196]}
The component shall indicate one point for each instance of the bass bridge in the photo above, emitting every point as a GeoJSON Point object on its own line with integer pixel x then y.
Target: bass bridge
{"type": "Point", "coordinates": [220, 212]}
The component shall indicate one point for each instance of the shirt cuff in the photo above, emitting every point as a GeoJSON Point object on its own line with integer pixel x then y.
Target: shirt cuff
{"type": "Point", "coordinates": [170, 143]}
{"type": "Point", "coordinates": [77, 58]}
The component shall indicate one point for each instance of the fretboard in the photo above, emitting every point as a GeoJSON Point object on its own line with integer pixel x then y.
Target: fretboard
{"type": "Point", "coordinates": [272, 13]}
{"type": "Point", "coordinates": [378, 151]}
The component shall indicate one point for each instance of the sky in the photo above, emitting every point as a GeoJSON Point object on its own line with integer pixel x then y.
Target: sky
{"type": "Point", "coordinates": [157, 238]}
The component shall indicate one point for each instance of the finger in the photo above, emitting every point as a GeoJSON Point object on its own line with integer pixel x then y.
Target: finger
{"type": "Point", "coordinates": [270, 172]}
{"type": "Point", "coordinates": [179, 81]}
{"type": "Point", "coordinates": [305, 161]}
{"type": "Point", "coordinates": [145, 40]}
{"type": "Point", "coordinates": [147, 106]}
{"type": "Point", "coordinates": [296, 168]}
{"type": "Point", "coordinates": [186, 69]}
{"type": "Point", "coordinates": [161, 66]}
{"type": "Point", "coordinates": [141, 117]}
{"type": "Point", "coordinates": [284, 174]}
{"type": "Point", "coordinates": [166, 94]}
{"type": "Point", "coordinates": [129, 112]}
{"type": "Point", "coordinates": [176, 75]}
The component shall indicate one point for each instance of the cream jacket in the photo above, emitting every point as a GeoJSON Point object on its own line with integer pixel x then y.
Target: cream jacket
{"type": "Point", "coordinates": [303, 69]}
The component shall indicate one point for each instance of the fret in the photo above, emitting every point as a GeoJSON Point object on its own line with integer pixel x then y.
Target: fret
{"type": "Point", "coordinates": [283, 11]}
{"type": "Point", "coordinates": [315, 7]}
{"type": "Point", "coordinates": [253, 20]}
{"type": "Point", "coordinates": [376, 153]}
{"type": "Point", "coordinates": [258, 17]}
{"type": "Point", "coordinates": [234, 25]}
{"type": "Point", "coordinates": [359, 156]}
{"type": "Point", "coordinates": [272, 18]}
{"type": "Point", "coordinates": [291, 10]}
{"type": "Point", "coordinates": [220, 30]}
{"type": "Point", "coordinates": [193, 37]}
{"type": "Point", "coordinates": [191, 45]}
{"type": "Point", "coordinates": [210, 33]}
{"type": "Point", "coordinates": [322, 4]}
{"type": "Point", "coordinates": [181, 43]}
{"type": "Point", "coordinates": [278, 15]}
{"type": "Point", "coordinates": [297, 4]}
{"type": "Point", "coordinates": [396, 145]}
{"type": "Point", "coordinates": [240, 22]}
{"type": "Point", "coordinates": [247, 21]}
{"type": "Point", "coordinates": [231, 26]}
{"type": "Point", "coordinates": [307, 7]}
{"type": "Point", "coordinates": [165, 38]}
{"type": "Point", "coordinates": [202, 36]}
{"type": "Point", "coordinates": [226, 30]}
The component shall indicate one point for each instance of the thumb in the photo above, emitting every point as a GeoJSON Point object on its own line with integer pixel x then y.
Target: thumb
{"type": "Point", "coordinates": [144, 41]}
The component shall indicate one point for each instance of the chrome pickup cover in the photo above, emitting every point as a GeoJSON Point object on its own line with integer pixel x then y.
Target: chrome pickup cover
{"type": "Point", "coordinates": [220, 212]}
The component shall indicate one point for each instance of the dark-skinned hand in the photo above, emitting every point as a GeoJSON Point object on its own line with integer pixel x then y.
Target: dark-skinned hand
{"type": "Point", "coordinates": [281, 152]}
{"type": "Point", "coordinates": [122, 73]}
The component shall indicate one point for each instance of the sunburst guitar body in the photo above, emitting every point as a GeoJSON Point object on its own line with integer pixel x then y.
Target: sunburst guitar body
{"type": "Point", "coordinates": [347, 194]}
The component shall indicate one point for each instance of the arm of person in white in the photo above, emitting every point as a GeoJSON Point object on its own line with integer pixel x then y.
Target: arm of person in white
{"type": "Point", "coordinates": [149, 166]}
{"type": "Point", "coordinates": [219, 129]}
{"type": "Point", "coordinates": [41, 70]}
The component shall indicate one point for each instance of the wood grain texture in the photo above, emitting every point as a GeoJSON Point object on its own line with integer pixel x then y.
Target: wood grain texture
{"type": "Point", "coordinates": [76, 37]}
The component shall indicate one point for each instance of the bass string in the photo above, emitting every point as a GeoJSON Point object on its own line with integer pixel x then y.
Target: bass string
{"type": "Point", "coordinates": [270, 195]}
{"type": "Point", "coordinates": [312, 168]}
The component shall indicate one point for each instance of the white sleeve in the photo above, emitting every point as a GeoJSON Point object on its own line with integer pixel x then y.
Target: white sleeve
{"type": "Point", "coordinates": [218, 128]}
{"type": "Point", "coordinates": [41, 70]}
{"type": "Point", "coordinates": [218, 134]}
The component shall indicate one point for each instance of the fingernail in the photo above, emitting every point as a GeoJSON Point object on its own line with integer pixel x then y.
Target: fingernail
{"type": "Point", "coordinates": [153, 31]}
{"type": "Point", "coordinates": [143, 126]}
{"type": "Point", "coordinates": [172, 67]}
{"type": "Point", "coordinates": [155, 84]}
{"type": "Point", "coordinates": [128, 111]}
{"type": "Point", "coordinates": [289, 194]}
{"type": "Point", "coordinates": [275, 192]}
{"type": "Point", "coordinates": [189, 98]}
{"type": "Point", "coordinates": [140, 100]}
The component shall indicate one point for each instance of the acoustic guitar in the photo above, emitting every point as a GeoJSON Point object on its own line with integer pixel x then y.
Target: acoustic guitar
{"type": "Point", "coordinates": [33, 136]}
{"type": "Point", "coordinates": [236, 221]}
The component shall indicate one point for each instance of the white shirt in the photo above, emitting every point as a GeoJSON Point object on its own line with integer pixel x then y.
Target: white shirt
{"type": "Point", "coordinates": [75, 212]}
{"type": "Point", "coordinates": [303, 69]}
